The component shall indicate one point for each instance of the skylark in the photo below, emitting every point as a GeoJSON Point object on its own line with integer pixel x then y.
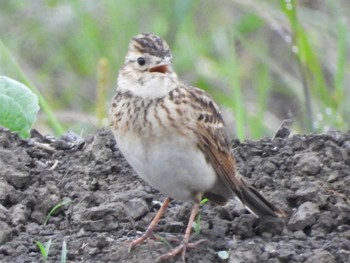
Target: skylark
{"type": "Point", "coordinates": [173, 136]}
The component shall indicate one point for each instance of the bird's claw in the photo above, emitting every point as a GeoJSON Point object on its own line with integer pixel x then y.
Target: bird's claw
{"type": "Point", "coordinates": [180, 249]}
{"type": "Point", "coordinates": [137, 241]}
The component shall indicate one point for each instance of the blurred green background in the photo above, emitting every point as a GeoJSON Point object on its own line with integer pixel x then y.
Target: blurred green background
{"type": "Point", "coordinates": [263, 61]}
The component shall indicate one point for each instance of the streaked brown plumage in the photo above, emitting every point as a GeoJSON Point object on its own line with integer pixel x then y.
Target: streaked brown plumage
{"type": "Point", "coordinates": [173, 136]}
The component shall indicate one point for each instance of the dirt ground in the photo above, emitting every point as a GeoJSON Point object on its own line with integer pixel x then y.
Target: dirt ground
{"type": "Point", "coordinates": [306, 175]}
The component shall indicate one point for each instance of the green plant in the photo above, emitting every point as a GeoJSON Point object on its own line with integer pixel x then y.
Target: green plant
{"type": "Point", "coordinates": [18, 106]}
{"type": "Point", "coordinates": [64, 252]}
{"type": "Point", "coordinates": [197, 223]}
{"type": "Point", "coordinates": [44, 249]}
{"type": "Point", "coordinates": [66, 201]}
{"type": "Point", "coordinates": [101, 92]}
{"type": "Point", "coordinates": [323, 99]}
{"type": "Point", "coordinates": [260, 59]}
{"type": "Point", "coordinates": [55, 124]}
{"type": "Point", "coordinates": [203, 201]}
{"type": "Point", "coordinates": [163, 240]}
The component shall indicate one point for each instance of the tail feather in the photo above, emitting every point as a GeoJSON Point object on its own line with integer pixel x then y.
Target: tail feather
{"type": "Point", "coordinates": [257, 203]}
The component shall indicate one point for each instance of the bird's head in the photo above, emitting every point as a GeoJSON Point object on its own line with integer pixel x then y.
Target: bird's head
{"type": "Point", "coordinates": [149, 53]}
{"type": "Point", "coordinates": [147, 66]}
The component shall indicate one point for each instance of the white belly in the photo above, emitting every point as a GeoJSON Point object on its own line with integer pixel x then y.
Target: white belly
{"type": "Point", "coordinates": [171, 164]}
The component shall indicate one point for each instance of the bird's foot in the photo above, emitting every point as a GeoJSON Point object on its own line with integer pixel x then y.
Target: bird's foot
{"type": "Point", "coordinates": [149, 232]}
{"type": "Point", "coordinates": [147, 235]}
{"type": "Point", "coordinates": [180, 249]}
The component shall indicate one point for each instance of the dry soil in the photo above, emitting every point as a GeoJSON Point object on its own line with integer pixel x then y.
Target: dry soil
{"type": "Point", "coordinates": [306, 175]}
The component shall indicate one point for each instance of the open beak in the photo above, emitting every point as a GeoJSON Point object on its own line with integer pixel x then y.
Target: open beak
{"type": "Point", "coordinates": [161, 69]}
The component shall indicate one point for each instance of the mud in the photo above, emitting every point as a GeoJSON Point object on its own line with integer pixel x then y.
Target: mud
{"type": "Point", "coordinates": [306, 175]}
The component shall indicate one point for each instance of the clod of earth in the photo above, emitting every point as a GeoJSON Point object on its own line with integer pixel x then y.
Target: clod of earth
{"type": "Point", "coordinates": [307, 175]}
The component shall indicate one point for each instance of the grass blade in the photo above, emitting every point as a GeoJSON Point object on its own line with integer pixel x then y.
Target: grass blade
{"type": "Point", "coordinates": [56, 207]}
{"type": "Point", "coordinates": [44, 250]}
{"type": "Point", "coordinates": [64, 252]}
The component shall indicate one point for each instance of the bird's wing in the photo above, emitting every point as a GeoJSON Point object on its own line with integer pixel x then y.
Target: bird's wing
{"type": "Point", "coordinates": [213, 143]}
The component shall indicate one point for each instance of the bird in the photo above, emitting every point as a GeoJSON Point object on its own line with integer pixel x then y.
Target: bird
{"type": "Point", "coordinates": [173, 136]}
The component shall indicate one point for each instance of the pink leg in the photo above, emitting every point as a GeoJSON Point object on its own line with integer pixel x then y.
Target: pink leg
{"type": "Point", "coordinates": [185, 244]}
{"type": "Point", "coordinates": [152, 226]}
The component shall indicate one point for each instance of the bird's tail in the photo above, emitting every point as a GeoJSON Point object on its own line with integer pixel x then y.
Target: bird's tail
{"type": "Point", "coordinates": [257, 203]}
{"type": "Point", "coordinates": [253, 200]}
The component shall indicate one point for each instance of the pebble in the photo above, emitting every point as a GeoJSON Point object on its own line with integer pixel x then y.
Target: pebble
{"type": "Point", "coordinates": [321, 256]}
{"type": "Point", "coordinates": [307, 164]}
{"type": "Point", "coordinates": [5, 190]}
{"type": "Point", "coordinates": [305, 216]}
{"type": "Point", "coordinates": [136, 207]}
{"type": "Point", "coordinates": [20, 214]}
{"type": "Point", "coordinates": [5, 232]}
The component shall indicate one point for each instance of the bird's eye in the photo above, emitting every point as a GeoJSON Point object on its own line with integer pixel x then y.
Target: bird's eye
{"type": "Point", "coordinates": [141, 61]}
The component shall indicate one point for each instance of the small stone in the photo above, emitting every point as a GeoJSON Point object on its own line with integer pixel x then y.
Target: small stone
{"type": "Point", "coordinates": [20, 214]}
{"type": "Point", "coordinates": [299, 235]}
{"type": "Point", "coordinates": [326, 221]}
{"type": "Point", "coordinates": [3, 213]}
{"type": "Point", "coordinates": [307, 164]}
{"type": "Point", "coordinates": [5, 232]}
{"type": "Point", "coordinates": [333, 177]}
{"type": "Point", "coordinates": [244, 255]}
{"type": "Point", "coordinates": [7, 250]}
{"type": "Point", "coordinates": [223, 255]}
{"type": "Point", "coordinates": [136, 207]}
{"type": "Point", "coordinates": [298, 142]}
{"type": "Point", "coordinates": [308, 191]}
{"type": "Point", "coordinates": [105, 217]}
{"type": "Point", "coordinates": [286, 253]}
{"type": "Point", "coordinates": [13, 169]}
{"type": "Point", "coordinates": [268, 167]}
{"type": "Point", "coordinates": [306, 215]}
{"type": "Point", "coordinates": [321, 256]}
{"type": "Point", "coordinates": [38, 217]}
{"type": "Point", "coordinates": [94, 251]}
{"type": "Point", "coordinates": [5, 190]}
{"type": "Point", "coordinates": [334, 152]}
{"type": "Point", "coordinates": [273, 226]}
{"type": "Point", "coordinates": [219, 229]}
{"type": "Point", "coordinates": [255, 161]}
{"type": "Point", "coordinates": [343, 255]}
{"type": "Point", "coordinates": [16, 177]}
{"type": "Point", "coordinates": [244, 225]}
{"type": "Point", "coordinates": [21, 249]}
{"type": "Point", "coordinates": [316, 143]}
{"type": "Point", "coordinates": [271, 248]}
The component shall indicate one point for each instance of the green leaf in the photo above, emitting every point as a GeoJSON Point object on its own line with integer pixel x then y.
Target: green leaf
{"type": "Point", "coordinates": [47, 247]}
{"type": "Point", "coordinates": [204, 201]}
{"type": "Point", "coordinates": [18, 106]}
{"type": "Point", "coordinates": [162, 239]}
{"type": "Point", "coordinates": [197, 225]}
{"type": "Point", "coordinates": [66, 201]}
{"type": "Point", "coordinates": [64, 252]}
{"type": "Point", "coordinates": [44, 250]}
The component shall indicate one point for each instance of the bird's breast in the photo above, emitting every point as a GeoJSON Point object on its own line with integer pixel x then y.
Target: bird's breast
{"type": "Point", "coordinates": [157, 139]}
